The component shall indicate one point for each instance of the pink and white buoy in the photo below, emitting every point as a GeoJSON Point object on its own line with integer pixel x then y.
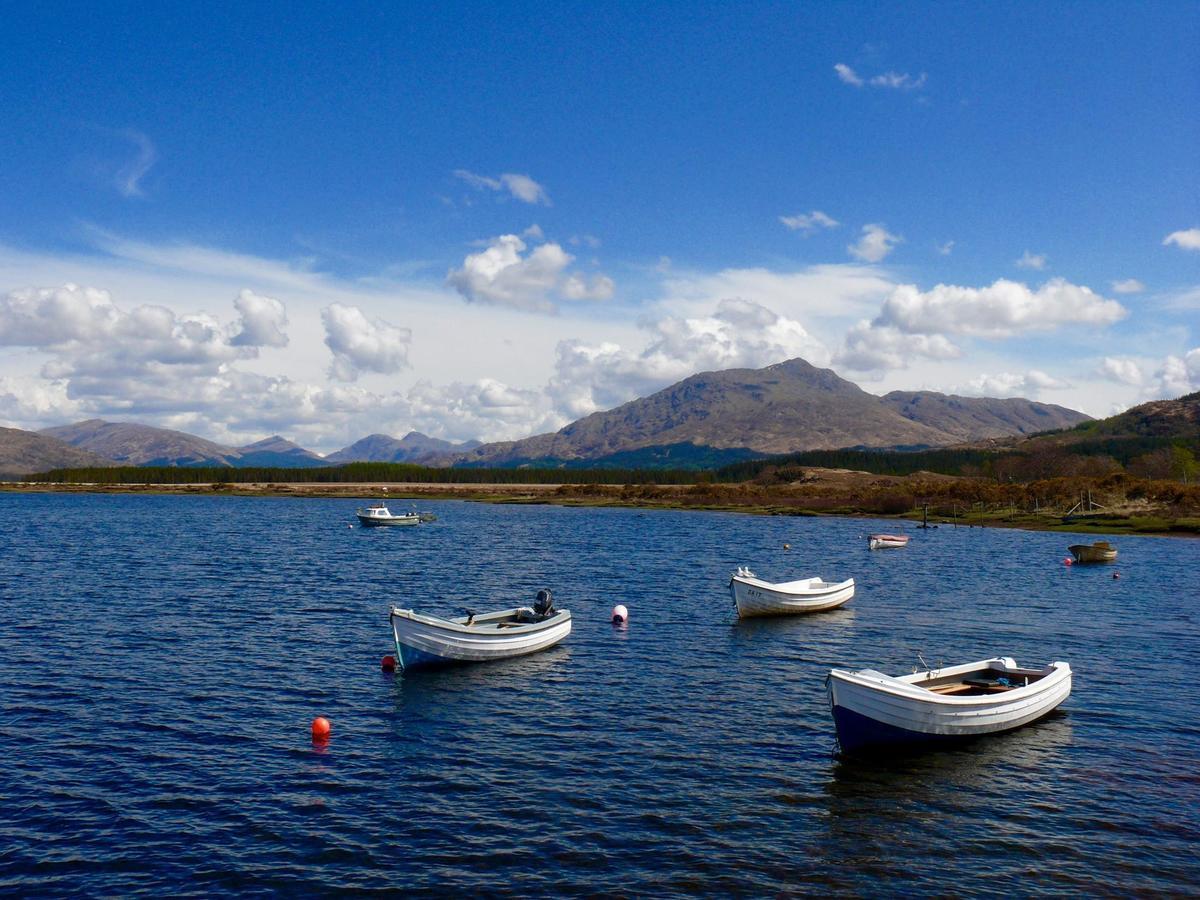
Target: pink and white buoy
{"type": "Point", "coordinates": [620, 615]}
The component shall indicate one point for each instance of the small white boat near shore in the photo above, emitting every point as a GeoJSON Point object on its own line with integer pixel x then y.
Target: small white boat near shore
{"type": "Point", "coordinates": [379, 514]}
{"type": "Point", "coordinates": [887, 541]}
{"type": "Point", "coordinates": [425, 640]}
{"type": "Point", "coordinates": [871, 709]}
{"type": "Point", "coordinates": [754, 597]}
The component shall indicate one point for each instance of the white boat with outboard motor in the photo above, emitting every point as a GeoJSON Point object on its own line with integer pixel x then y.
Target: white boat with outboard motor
{"type": "Point", "coordinates": [379, 514]}
{"type": "Point", "coordinates": [871, 709]}
{"type": "Point", "coordinates": [425, 640]}
{"type": "Point", "coordinates": [754, 597]}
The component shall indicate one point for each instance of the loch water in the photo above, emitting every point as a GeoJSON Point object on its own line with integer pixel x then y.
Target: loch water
{"type": "Point", "coordinates": [161, 658]}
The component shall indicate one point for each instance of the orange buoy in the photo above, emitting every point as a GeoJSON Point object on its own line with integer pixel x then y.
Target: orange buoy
{"type": "Point", "coordinates": [320, 729]}
{"type": "Point", "coordinates": [388, 664]}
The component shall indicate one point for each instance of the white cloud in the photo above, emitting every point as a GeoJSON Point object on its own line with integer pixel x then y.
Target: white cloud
{"type": "Point", "coordinates": [945, 249]}
{"type": "Point", "coordinates": [1003, 309]}
{"type": "Point", "coordinates": [876, 243]}
{"type": "Point", "coordinates": [833, 292]}
{"type": "Point", "coordinates": [869, 347]}
{"type": "Point", "coordinates": [129, 177]}
{"type": "Point", "coordinates": [738, 334]}
{"type": "Point", "coordinates": [1185, 240]}
{"type": "Point", "coordinates": [900, 81]}
{"type": "Point", "coordinates": [847, 75]}
{"type": "Point", "coordinates": [1128, 286]}
{"type": "Point", "coordinates": [1009, 384]}
{"type": "Point", "coordinates": [1031, 261]}
{"type": "Point", "coordinates": [360, 344]}
{"type": "Point", "coordinates": [263, 320]}
{"type": "Point", "coordinates": [520, 187]}
{"type": "Point", "coordinates": [499, 274]}
{"type": "Point", "coordinates": [1177, 376]}
{"type": "Point", "coordinates": [807, 224]}
{"type": "Point", "coordinates": [1122, 370]}
{"type": "Point", "coordinates": [576, 287]}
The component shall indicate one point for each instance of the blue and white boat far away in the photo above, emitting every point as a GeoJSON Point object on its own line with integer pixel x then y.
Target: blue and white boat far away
{"type": "Point", "coordinates": [424, 640]}
{"type": "Point", "coordinates": [871, 709]}
{"type": "Point", "coordinates": [379, 514]}
{"type": "Point", "coordinates": [754, 597]}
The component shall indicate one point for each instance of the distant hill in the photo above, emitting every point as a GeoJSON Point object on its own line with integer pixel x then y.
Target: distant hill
{"type": "Point", "coordinates": [967, 419]}
{"type": "Point", "coordinates": [413, 447]}
{"type": "Point", "coordinates": [131, 444]}
{"type": "Point", "coordinates": [23, 452]}
{"type": "Point", "coordinates": [785, 408]}
{"type": "Point", "coordinates": [276, 451]}
{"type": "Point", "coordinates": [1176, 419]}
{"type": "Point", "coordinates": [143, 445]}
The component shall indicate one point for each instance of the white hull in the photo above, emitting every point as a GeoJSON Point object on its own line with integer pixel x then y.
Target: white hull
{"type": "Point", "coordinates": [430, 640]}
{"type": "Point", "coordinates": [373, 521]}
{"type": "Point", "coordinates": [754, 597]}
{"type": "Point", "coordinates": [872, 708]}
{"type": "Point", "coordinates": [886, 542]}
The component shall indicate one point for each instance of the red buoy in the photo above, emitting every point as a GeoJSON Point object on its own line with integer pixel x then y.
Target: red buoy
{"type": "Point", "coordinates": [388, 664]}
{"type": "Point", "coordinates": [1066, 560]}
{"type": "Point", "coordinates": [320, 730]}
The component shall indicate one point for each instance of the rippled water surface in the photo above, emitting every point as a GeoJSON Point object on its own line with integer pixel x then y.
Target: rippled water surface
{"type": "Point", "coordinates": [161, 659]}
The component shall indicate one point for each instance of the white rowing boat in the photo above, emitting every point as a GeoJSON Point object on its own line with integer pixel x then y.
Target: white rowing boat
{"type": "Point", "coordinates": [887, 541]}
{"type": "Point", "coordinates": [871, 709]}
{"type": "Point", "coordinates": [754, 597]}
{"type": "Point", "coordinates": [425, 640]}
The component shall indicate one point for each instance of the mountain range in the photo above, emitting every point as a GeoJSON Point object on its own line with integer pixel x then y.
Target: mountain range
{"type": "Point", "coordinates": [708, 419]}
{"type": "Point", "coordinates": [784, 408]}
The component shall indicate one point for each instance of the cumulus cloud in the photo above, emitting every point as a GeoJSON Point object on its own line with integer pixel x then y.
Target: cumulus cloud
{"type": "Point", "coordinates": [262, 321]}
{"type": "Point", "coordinates": [1177, 376]}
{"type": "Point", "coordinates": [362, 345]}
{"type": "Point", "coordinates": [945, 249]}
{"type": "Point", "coordinates": [1031, 261]}
{"type": "Point", "coordinates": [1185, 240]}
{"type": "Point", "coordinates": [520, 187]}
{"type": "Point", "coordinates": [500, 274]}
{"type": "Point", "coordinates": [1003, 309]}
{"type": "Point", "coordinates": [807, 224]}
{"type": "Point", "coordinates": [1128, 286]}
{"type": "Point", "coordinates": [1122, 370]}
{"type": "Point", "coordinates": [738, 334]}
{"type": "Point", "coordinates": [876, 243]}
{"type": "Point", "coordinates": [914, 323]}
{"type": "Point", "coordinates": [1009, 384]}
{"type": "Point", "coordinates": [870, 347]}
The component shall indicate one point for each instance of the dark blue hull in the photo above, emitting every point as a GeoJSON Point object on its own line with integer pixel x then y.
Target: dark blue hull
{"type": "Point", "coordinates": [857, 732]}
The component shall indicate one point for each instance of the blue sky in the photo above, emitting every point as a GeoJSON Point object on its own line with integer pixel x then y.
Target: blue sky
{"type": "Point", "coordinates": [484, 222]}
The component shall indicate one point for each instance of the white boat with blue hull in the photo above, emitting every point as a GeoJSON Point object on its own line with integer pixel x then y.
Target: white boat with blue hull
{"type": "Point", "coordinates": [425, 640]}
{"type": "Point", "coordinates": [872, 710]}
{"type": "Point", "coordinates": [754, 597]}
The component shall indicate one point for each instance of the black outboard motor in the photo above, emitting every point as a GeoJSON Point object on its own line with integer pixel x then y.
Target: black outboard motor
{"type": "Point", "coordinates": [544, 604]}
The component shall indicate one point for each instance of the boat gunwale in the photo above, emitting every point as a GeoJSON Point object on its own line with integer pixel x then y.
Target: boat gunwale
{"type": "Point", "coordinates": [1052, 675]}
{"type": "Point", "coordinates": [483, 628]}
{"type": "Point", "coordinates": [783, 586]}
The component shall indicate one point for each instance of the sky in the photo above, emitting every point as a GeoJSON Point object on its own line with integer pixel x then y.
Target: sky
{"type": "Point", "coordinates": [486, 221]}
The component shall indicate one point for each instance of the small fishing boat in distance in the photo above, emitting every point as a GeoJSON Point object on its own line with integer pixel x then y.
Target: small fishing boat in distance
{"type": "Point", "coordinates": [1101, 551]}
{"type": "Point", "coordinates": [379, 514]}
{"type": "Point", "coordinates": [887, 541]}
{"type": "Point", "coordinates": [424, 640]}
{"type": "Point", "coordinates": [871, 709]}
{"type": "Point", "coordinates": [754, 597]}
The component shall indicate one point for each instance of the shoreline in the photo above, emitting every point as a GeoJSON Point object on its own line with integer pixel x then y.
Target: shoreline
{"type": "Point", "coordinates": [679, 497]}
